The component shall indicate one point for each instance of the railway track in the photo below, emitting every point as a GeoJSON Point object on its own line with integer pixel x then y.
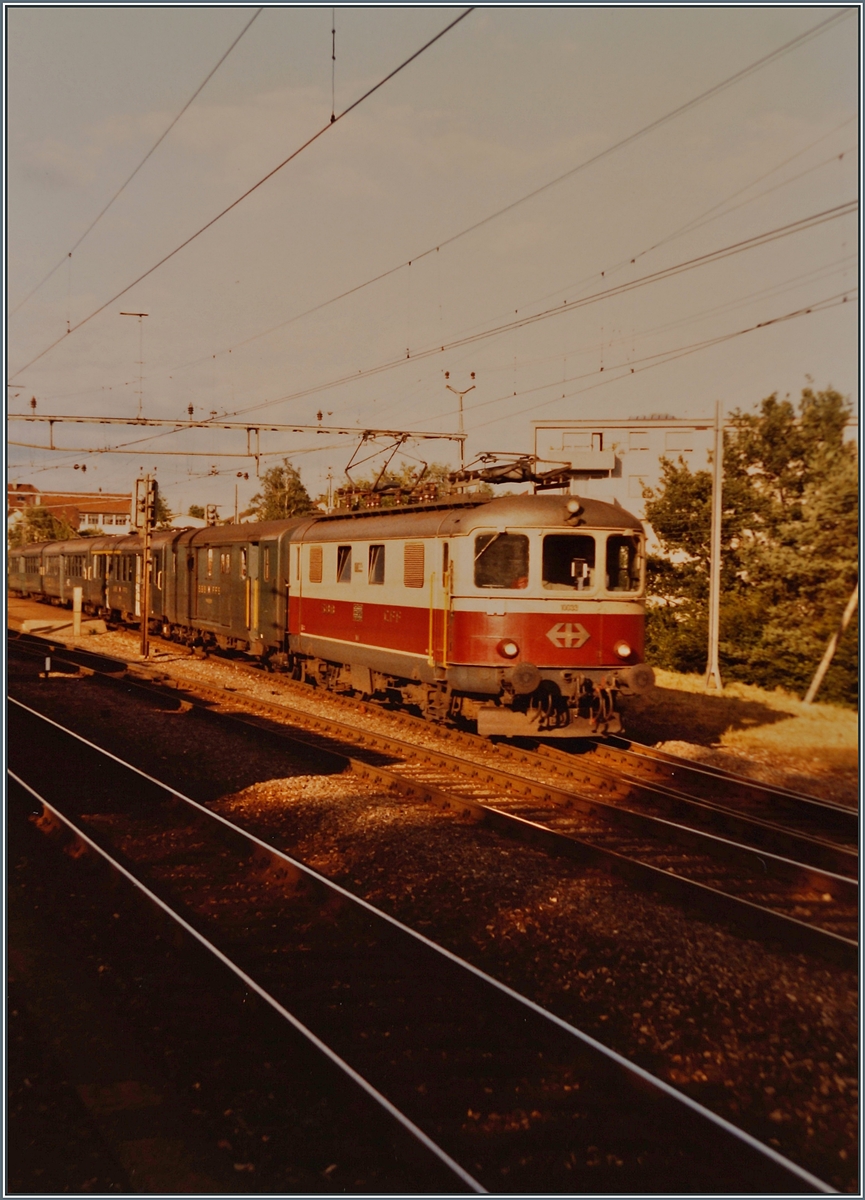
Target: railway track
{"type": "Point", "coordinates": [705, 856]}
{"type": "Point", "coordinates": [500, 1093]}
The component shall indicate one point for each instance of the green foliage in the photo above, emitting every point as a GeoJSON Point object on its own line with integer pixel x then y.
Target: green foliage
{"type": "Point", "coordinates": [196, 510]}
{"type": "Point", "coordinates": [789, 550]}
{"type": "Point", "coordinates": [39, 524]}
{"type": "Point", "coordinates": [164, 515]}
{"type": "Point", "coordinates": [282, 495]}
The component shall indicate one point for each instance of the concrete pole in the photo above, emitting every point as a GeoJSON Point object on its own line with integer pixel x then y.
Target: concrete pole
{"type": "Point", "coordinates": [832, 646]}
{"type": "Point", "coordinates": [146, 566]}
{"type": "Point", "coordinates": [713, 671]}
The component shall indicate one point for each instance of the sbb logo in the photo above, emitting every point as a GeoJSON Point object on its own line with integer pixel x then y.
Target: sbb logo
{"type": "Point", "coordinates": [568, 636]}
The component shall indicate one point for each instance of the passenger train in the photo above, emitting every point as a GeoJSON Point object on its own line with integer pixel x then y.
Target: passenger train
{"type": "Point", "coordinates": [522, 615]}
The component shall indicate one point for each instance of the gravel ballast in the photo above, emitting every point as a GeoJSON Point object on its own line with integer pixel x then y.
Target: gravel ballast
{"type": "Point", "coordinates": [764, 1037]}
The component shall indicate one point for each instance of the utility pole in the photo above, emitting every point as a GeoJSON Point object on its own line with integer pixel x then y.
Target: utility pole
{"type": "Point", "coordinates": [713, 671]}
{"type": "Point", "coordinates": [140, 357]}
{"type": "Point", "coordinates": [465, 392]}
{"type": "Point", "coordinates": [144, 517]}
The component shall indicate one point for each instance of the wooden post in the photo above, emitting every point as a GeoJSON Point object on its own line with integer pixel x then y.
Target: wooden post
{"type": "Point", "coordinates": [831, 647]}
{"type": "Point", "coordinates": [77, 593]}
{"type": "Point", "coordinates": [713, 671]}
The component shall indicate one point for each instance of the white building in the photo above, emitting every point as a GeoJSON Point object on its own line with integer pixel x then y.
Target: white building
{"type": "Point", "coordinates": [616, 459]}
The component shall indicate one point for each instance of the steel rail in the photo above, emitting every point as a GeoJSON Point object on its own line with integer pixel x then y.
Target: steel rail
{"type": "Point", "coordinates": [638, 1080]}
{"type": "Point", "coordinates": [757, 919]}
{"type": "Point", "coordinates": [650, 762]}
{"type": "Point", "coordinates": [248, 981]}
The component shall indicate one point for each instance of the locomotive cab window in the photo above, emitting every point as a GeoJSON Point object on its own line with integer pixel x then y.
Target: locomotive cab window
{"type": "Point", "coordinates": [501, 560]}
{"type": "Point", "coordinates": [623, 564]}
{"type": "Point", "coordinates": [343, 564]}
{"type": "Point", "coordinates": [569, 561]}
{"type": "Point", "coordinates": [376, 564]}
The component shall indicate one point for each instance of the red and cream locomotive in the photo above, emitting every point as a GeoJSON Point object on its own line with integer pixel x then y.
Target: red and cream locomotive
{"type": "Point", "coordinates": [523, 614]}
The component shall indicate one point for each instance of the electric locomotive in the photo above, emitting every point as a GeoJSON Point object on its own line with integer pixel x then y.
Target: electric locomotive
{"type": "Point", "coordinates": [523, 614]}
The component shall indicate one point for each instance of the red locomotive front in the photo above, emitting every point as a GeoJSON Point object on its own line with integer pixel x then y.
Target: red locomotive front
{"type": "Point", "coordinates": [524, 614]}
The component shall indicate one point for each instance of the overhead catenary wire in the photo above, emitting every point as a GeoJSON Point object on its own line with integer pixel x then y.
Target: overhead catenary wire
{"type": "Point", "coordinates": [758, 64]}
{"type": "Point", "coordinates": [665, 356]}
{"type": "Point", "coordinates": [813, 276]}
{"type": "Point", "coordinates": [129, 179]}
{"type": "Point", "coordinates": [761, 239]}
{"type": "Point", "coordinates": [632, 367]}
{"type": "Point", "coordinates": [249, 191]}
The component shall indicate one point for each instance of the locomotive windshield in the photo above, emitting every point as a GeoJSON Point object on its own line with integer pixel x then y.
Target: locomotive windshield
{"type": "Point", "coordinates": [569, 561]}
{"type": "Point", "coordinates": [623, 564]}
{"type": "Point", "coordinates": [501, 560]}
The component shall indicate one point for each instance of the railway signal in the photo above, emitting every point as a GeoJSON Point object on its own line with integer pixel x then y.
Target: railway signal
{"type": "Point", "coordinates": [144, 519]}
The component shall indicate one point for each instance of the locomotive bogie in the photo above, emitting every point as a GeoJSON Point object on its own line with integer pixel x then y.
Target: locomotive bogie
{"type": "Point", "coordinates": [523, 614]}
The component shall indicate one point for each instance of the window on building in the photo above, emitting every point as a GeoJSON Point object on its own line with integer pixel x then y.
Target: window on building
{"type": "Point", "coordinates": [343, 564]}
{"type": "Point", "coordinates": [376, 564]}
{"type": "Point", "coordinates": [623, 563]}
{"type": "Point", "coordinates": [413, 564]}
{"type": "Point", "coordinates": [108, 518]}
{"type": "Point", "coordinates": [638, 439]}
{"type": "Point", "coordinates": [501, 560]}
{"type": "Point", "coordinates": [679, 439]}
{"type": "Point", "coordinates": [568, 561]}
{"type": "Point", "coordinates": [315, 561]}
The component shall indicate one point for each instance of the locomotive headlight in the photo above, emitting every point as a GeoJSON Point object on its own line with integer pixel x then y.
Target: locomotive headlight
{"type": "Point", "coordinates": [508, 649]}
{"type": "Point", "coordinates": [623, 650]}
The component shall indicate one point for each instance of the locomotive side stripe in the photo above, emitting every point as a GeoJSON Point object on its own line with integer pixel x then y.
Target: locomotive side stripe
{"type": "Point", "coordinates": [548, 639]}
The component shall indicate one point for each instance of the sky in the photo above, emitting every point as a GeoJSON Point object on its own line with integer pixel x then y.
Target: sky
{"type": "Point", "coordinates": [507, 101]}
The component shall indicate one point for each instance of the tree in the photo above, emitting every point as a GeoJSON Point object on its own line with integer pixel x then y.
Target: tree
{"type": "Point", "coordinates": [196, 510]}
{"type": "Point", "coordinates": [789, 549]}
{"type": "Point", "coordinates": [282, 495]}
{"type": "Point", "coordinates": [164, 515]}
{"type": "Point", "coordinates": [39, 524]}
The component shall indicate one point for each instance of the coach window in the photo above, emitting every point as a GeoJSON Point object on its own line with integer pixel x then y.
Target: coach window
{"type": "Point", "coordinates": [501, 560]}
{"type": "Point", "coordinates": [225, 562]}
{"type": "Point", "coordinates": [376, 564]}
{"type": "Point", "coordinates": [266, 556]}
{"type": "Point", "coordinates": [568, 562]}
{"type": "Point", "coordinates": [623, 564]}
{"type": "Point", "coordinates": [343, 564]}
{"type": "Point", "coordinates": [315, 564]}
{"type": "Point", "coordinates": [209, 564]}
{"type": "Point", "coordinates": [243, 562]}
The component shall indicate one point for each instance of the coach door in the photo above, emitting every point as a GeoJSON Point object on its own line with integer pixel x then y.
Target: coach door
{"type": "Point", "coordinates": [250, 568]}
{"type": "Point", "coordinates": [157, 576]}
{"type": "Point", "coordinates": [269, 601]}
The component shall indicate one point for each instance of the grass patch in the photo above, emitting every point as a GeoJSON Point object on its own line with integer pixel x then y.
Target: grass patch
{"type": "Point", "coordinates": [743, 718]}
